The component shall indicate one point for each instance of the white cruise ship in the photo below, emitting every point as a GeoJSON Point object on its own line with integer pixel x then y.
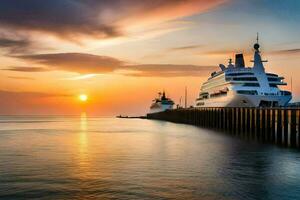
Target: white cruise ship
{"type": "Point", "coordinates": [161, 103]}
{"type": "Point", "coordinates": [240, 86]}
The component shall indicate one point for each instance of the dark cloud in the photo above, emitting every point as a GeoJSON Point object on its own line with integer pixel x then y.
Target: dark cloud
{"type": "Point", "coordinates": [75, 62]}
{"type": "Point", "coordinates": [183, 48]}
{"type": "Point", "coordinates": [72, 19]}
{"type": "Point", "coordinates": [93, 64]}
{"type": "Point", "coordinates": [27, 69]}
{"type": "Point", "coordinates": [5, 42]}
{"type": "Point", "coordinates": [15, 45]}
{"type": "Point", "coordinates": [65, 18]}
{"type": "Point", "coordinates": [18, 44]}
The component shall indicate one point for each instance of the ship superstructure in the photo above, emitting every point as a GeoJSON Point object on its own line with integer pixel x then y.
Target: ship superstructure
{"type": "Point", "coordinates": [161, 103]}
{"type": "Point", "coordinates": [238, 86]}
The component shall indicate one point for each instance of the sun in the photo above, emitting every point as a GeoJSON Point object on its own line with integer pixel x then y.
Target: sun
{"type": "Point", "coordinates": [83, 97]}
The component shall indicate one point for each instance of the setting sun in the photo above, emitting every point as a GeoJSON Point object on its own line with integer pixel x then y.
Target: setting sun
{"type": "Point", "coordinates": [83, 97]}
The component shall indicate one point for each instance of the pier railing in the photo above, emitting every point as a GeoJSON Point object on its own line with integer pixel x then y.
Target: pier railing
{"type": "Point", "coordinates": [279, 126]}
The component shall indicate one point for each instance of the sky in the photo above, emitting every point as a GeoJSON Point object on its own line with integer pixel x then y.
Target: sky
{"type": "Point", "coordinates": [121, 53]}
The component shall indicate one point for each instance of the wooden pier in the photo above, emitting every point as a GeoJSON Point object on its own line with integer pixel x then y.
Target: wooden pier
{"type": "Point", "coordinates": [279, 126]}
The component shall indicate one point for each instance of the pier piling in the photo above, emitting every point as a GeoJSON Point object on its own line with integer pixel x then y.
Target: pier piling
{"type": "Point", "coordinates": [279, 126]}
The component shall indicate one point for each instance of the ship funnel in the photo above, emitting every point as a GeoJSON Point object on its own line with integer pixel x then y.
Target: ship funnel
{"type": "Point", "coordinates": [239, 61]}
{"type": "Point", "coordinates": [222, 67]}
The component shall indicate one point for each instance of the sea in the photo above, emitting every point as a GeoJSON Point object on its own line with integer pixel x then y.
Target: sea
{"type": "Point", "coordinates": [82, 157]}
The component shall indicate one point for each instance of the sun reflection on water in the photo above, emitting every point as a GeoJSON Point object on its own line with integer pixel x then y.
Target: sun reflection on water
{"type": "Point", "coordinates": [83, 132]}
{"type": "Point", "coordinates": [84, 163]}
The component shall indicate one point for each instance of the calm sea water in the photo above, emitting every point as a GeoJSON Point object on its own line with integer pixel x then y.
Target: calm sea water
{"type": "Point", "coordinates": [106, 158]}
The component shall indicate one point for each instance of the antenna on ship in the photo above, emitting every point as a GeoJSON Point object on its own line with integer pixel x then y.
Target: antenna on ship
{"type": "Point", "coordinates": [292, 84]}
{"type": "Point", "coordinates": [258, 62]}
{"type": "Point", "coordinates": [256, 45]}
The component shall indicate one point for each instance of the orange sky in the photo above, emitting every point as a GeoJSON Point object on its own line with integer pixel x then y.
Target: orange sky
{"type": "Point", "coordinates": [121, 54]}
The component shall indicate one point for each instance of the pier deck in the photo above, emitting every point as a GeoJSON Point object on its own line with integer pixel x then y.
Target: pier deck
{"type": "Point", "coordinates": [279, 126]}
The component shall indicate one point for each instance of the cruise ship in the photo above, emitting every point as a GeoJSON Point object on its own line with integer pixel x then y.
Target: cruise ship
{"type": "Point", "coordinates": [161, 103]}
{"type": "Point", "coordinates": [238, 86]}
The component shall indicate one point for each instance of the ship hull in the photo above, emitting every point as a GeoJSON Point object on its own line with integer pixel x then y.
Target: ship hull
{"type": "Point", "coordinates": [237, 100]}
{"type": "Point", "coordinates": [158, 107]}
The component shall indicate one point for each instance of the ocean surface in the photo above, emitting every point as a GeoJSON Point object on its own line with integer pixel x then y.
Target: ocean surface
{"type": "Point", "coordinates": [107, 158]}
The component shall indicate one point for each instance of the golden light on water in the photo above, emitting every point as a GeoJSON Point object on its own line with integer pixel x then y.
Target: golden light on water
{"type": "Point", "coordinates": [84, 162]}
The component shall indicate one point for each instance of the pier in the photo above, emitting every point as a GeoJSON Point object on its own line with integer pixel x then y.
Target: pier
{"type": "Point", "coordinates": [278, 126]}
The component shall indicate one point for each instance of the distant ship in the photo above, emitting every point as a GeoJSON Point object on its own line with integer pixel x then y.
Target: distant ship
{"type": "Point", "coordinates": [240, 86]}
{"type": "Point", "coordinates": [162, 103]}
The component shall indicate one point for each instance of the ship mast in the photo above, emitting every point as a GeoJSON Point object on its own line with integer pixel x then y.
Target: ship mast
{"type": "Point", "coordinates": [258, 62]}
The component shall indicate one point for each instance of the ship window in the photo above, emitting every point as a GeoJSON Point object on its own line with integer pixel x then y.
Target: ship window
{"type": "Point", "coordinates": [247, 92]}
{"type": "Point", "coordinates": [218, 94]}
{"type": "Point", "coordinates": [245, 79]}
{"type": "Point", "coordinates": [286, 93]}
{"type": "Point", "coordinates": [273, 85]}
{"type": "Point", "coordinates": [273, 79]}
{"type": "Point", "coordinates": [200, 104]}
{"type": "Point", "coordinates": [204, 95]}
{"type": "Point", "coordinates": [240, 74]}
{"type": "Point", "coordinates": [251, 84]}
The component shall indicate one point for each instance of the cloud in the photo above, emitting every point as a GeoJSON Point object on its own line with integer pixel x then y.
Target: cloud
{"type": "Point", "coordinates": [15, 45]}
{"type": "Point", "coordinates": [184, 48]}
{"type": "Point", "coordinates": [27, 69]}
{"type": "Point", "coordinates": [81, 77]}
{"type": "Point", "coordinates": [151, 12]}
{"type": "Point", "coordinates": [20, 78]}
{"type": "Point", "coordinates": [5, 42]}
{"type": "Point", "coordinates": [18, 44]}
{"type": "Point", "coordinates": [63, 18]}
{"type": "Point", "coordinates": [90, 65]}
{"type": "Point", "coordinates": [73, 19]}
{"type": "Point", "coordinates": [286, 52]}
{"type": "Point", "coordinates": [75, 62]}
{"type": "Point", "coordinates": [169, 70]}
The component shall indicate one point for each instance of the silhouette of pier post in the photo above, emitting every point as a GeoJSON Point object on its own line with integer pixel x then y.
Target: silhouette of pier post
{"type": "Point", "coordinates": [279, 126]}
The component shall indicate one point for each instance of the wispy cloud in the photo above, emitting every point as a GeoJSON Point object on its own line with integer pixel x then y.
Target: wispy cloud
{"type": "Point", "coordinates": [6, 42]}
{"type": "Point", "coordinates": [286, 52]}
{"type": "Point", "coordinates": [217, 52]}
{"type": "Point", "coordinates": [73, 20]}
{"type": "Point", "coordinates": [81, 77]}
{"type": "Point", "coordinates": [76, 62]}
{"type": "Point", "coordinates": [27, 69]}
{"type": "Point", "coordinates": [90, 65]}
{"type": "Point", "coordinates": [184, 48]}
{"type": "Point", "coordinates": [20, 78]}
{"type": "Point", "coordinates": [15, 45]}
{"type": "Point", "coordinates": [169, 70]}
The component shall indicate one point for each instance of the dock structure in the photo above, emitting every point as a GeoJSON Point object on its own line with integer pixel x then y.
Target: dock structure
{"type": "Point", "coordinates": [279, 126]}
